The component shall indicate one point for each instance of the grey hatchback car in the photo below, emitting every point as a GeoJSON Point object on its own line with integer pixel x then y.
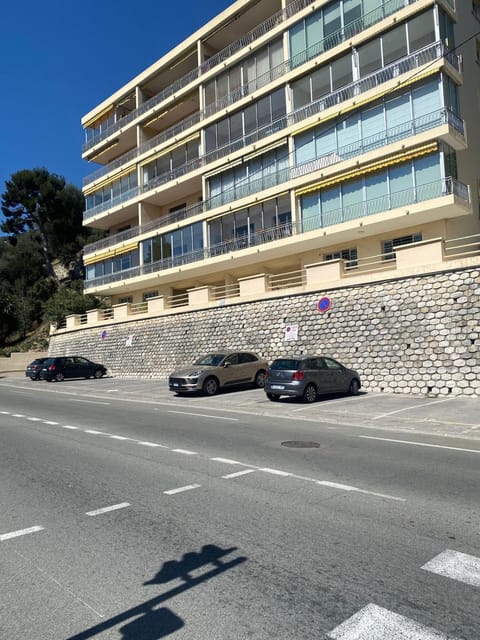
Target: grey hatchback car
{"type": "Point", "coordinates": [309, 376]}
{"type": "Point", "coordinates": [217, 370]}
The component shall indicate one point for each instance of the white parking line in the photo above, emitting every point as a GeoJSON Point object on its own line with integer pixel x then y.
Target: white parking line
{"type": "Point", "coordinates": [417, 406]}
{"type": "Point", "coordinates": [170, 492]}
{"type": "Point", "coordinates": [18, 415]}
{"type": "Point", "coordinates": [225, 460]}
{"type": "Point", "coordinates": [95, 433]}
{"type": "Point", "coordinates": [457, 566]}
{"type": "Point", "coordinates": [68, 426]}
{"type": "Point", "coordinates": [275, 472]}
{"type": "Point", "coordinates": [151, 444]}
{"type": "Point", "coordinates": [89, 401]}
{"type": "Point", "coordinates": [205, 415]}
{"type": "Point", "coordinates": [119, 437]}
{"type": "Point", "coordinates": [421, 444]}
{"type": "Point", "coordinates": [376, 623]}
{"type": "Point", "coordinates": [186, 452]}
{"type": "Point", "coordinates": [238, 473]}
{"type": "Point", "coordinates": [5, 413]}
{"type": "Point", "coordinates": [49, 422]}
{"type": "Point", "coordinates": [34, 419]}
{"type": "Point", "coordinates": [21, 532]}
{"type": "Point", "coordinates": [113, 507]}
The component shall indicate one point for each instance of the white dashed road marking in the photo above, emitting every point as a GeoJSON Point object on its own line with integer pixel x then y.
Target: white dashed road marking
{"type": "Point", "coordinates": [225, 460]}
{"type": "Point", "coordinates": [170, 492]}
{"type": "Point", "coordinates": [119, 438]}
{"type": "Point", "coordinates": [95, 433]}
{"type": "Point", "coordinates": [68, 426]}
{"type": "Point", "coordinates": [457, 566]}
{"type": "Point", "coordinates": [204, 415]}
{"type": "Point", "coordinates": [113, 507]}
{"type": "Point", "coordinates": [346, 487]}
{"type": "Point", "coordinates": [21, 532]}
{"type": "Point", "coordinates": [49, 422]}
{"type": "Point", "coordinates": [275, 472]}
{"type": "Point", "coordinates": [18, 415]}
{"type": "Point", "coordinates": [89, 401]}
{"type": "Point", "coordinates": [186, 452]}
{"type": "Point", "coordinates": [375, 623]}
{"type": "Point", "coordinates": [420, 444]}
{"type": "Point", "coordinates": [151, 444]}
{"type": "Point", "coordinates": [238, 473]}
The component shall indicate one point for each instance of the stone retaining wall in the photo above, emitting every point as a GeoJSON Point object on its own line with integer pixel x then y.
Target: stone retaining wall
{"type": "Point", "coordinates": [413, 335]}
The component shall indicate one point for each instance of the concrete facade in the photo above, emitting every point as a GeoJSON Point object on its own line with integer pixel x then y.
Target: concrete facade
{"type": "Point", "coordinates": [416, 335]}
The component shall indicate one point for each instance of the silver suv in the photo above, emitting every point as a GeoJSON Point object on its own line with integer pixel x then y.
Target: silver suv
{"type": "Point", "coordinates": [307, 377]}
{"type": "Point", "coordinates": [220, 369]}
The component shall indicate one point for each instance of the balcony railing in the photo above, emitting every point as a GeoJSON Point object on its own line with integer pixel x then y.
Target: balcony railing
{"type": "Point", "coordinates": [109, 204]}
{"type": "Point", "coordinates": [413, 127]}
{"type": "Point", "coordinates": [246, 89]}
{"type": "Point", "coordinates": [216, 59]}
{"type": "Point", "coordinates": [422, 193]}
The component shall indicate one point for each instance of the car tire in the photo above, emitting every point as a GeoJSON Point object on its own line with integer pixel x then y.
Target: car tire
{"type": "Point", "coordinates": [259, 381]}
{"type": "Point", "coordinates": [354, 387]}
{"type": "Point", "coordinates": [98, 374]}
{"type": "Point", "coordinates": [310, 393]}
{"type": "Point", "coordinates": [210, 386]}
{"type": "Point", "coordinates": [59, 377]}
{"type": "Point", "coordinates": [274, 397]}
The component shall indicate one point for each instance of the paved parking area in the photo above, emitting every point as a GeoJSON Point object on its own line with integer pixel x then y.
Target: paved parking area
{"type": "Point", "coordinates": [446, 416]}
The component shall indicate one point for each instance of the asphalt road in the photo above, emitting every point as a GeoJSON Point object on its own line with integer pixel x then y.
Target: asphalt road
{"type": "Point", "coordinates": [129, 513]}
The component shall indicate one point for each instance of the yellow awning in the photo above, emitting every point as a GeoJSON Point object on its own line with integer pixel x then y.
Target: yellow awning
{"type": "Point", "coordinates": [110, 253]}
{"type": "Point", "coordinates": [164, 152]}
{"type": "Point", "coordinates": [98, 116]}
{"type": "Point", "coordinates": [87, 191]}
{"type": "Point", "coordinates": [225, 213]}
{"type": "Point", "coordinates": [371, 167]}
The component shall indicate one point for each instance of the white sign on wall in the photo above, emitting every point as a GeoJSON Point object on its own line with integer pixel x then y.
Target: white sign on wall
{"type": "Point", "coordinates": [291, 332]}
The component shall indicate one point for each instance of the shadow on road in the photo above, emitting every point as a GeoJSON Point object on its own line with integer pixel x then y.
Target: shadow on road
{"type": "Point", "coordinates": [145, 621]}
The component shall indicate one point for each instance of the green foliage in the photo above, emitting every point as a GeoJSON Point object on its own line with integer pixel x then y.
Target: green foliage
{"type": "Point", "coordinates": [69, 300]}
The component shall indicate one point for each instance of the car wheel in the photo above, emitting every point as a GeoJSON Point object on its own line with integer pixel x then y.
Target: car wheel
{"type": "Point", "coordinates": [259, 381]}
{"type": "Point", "coordinates": [98, 374]}
{"type": "Point", "coordinates": [59, 377]}
{"type": "Point", "coordinates": [210, 386]}
{"type": "Point", "coordinates": [354, 387]}
{"type": "Point", "coordinates": [310, 393]}
{"type": "Point", "coordinates": [273, 397]}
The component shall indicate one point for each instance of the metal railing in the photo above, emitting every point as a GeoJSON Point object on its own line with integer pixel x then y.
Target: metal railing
{"type": "Point", "coordinates": [422, 193]}
{"type": "Point", "coordinates": [412, 127]}
{"type": "Point", "coordinates": [287, 280]}
{"type": "Point", "coordinates": [138, 307]}
{"type": "Point", "coordinates": [106, 314]}
{"type": "Point", "coordinates": [463, 247]}
{"type": "Point", "coordinates": [226, 291]}
{"type": "Point", "coordinates": [413, 61]}
{"type": "Point", "coordinates": [177, 300]}
{"type": "Point", "coordinates": [194, 74]}
{"type": "Point", "coordinates": [367, 20]}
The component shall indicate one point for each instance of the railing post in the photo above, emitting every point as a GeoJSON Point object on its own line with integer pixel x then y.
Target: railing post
{"type": "Point", "coordinates": [121, 310]}
{"type": "Point", "coordinates": [200, 296]}
{"type": "Point", "coordinates": [155, 305]}
{"type": "Point", "coordinates": [73, 320]}
{"type": "Point", "coordinates": [94, 316]}
{"type": "Point", "coordinates": [427, 252]}
{"type": "Point", "coordinates": [253, 285]}
{"type": "Point", "coordinates": [321, 272]}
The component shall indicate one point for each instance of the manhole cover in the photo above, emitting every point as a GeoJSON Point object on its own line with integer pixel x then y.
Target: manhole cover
{"type": "Point", "coordinates": [300, 444]}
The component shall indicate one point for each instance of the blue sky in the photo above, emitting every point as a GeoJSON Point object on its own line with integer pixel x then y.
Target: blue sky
{"type": "Point", "coordinates": [60, 59]}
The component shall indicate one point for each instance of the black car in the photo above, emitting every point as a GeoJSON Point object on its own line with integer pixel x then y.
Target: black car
{"type": "Point", "coordinates": [33, 369]}
{"type": "Point", "coordinates": [70, 367]}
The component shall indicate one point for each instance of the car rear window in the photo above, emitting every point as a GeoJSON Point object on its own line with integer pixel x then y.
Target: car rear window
{"type": "Point", "coordinates": [286, 363]}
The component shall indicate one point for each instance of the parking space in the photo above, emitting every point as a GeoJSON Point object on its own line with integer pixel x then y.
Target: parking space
{"type": "Point", "coordinates": [456, 416]}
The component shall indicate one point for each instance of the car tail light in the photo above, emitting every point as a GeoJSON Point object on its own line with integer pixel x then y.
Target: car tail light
{"type": "Point", "coordinates": [52, 367]}
{"type": "Point", "coordinates": [297, 375]}
{"type": "Point", "coordinates": [266, 375]}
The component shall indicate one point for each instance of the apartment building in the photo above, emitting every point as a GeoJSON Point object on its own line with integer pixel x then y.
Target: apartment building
{"type": "Point", "coordinates": [286, 133]}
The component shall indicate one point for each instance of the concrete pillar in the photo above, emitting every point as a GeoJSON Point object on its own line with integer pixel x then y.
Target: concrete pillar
{"type": "Point", "coordinates": [94, 316]}
{"type": "Point", "coordinates": [156, 305]}
{"type": "Point", "coordinates": [73, 321]}
{"type": "Point", "coordinates": [253, 285]}
{"type": "Point", "coordinates": [321, 272]}
{"type": "Point", "coordinates": [428, 252]}
{"type": "Point", "coordinates": [121, 310]}
{"type": "Point", "coordinates": [200, 296]}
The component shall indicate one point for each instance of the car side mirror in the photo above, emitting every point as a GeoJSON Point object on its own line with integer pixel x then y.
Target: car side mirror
{"type": "Point", "coordinates": [226, 364]}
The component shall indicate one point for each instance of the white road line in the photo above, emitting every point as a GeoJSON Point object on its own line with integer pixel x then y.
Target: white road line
{"type": "Point", "coordinates": [95, 433]}
{"type": "Point", "coordinates": [151, 444]}
{"type": "Point", "coordinates": [417, 406]}
{"type": "Point", "coordinates": [49, 422]}
{"type": "Point", "coordinates": [5, 413]}
{"type": "Point", "coordinates": [113, 507]}
{"type": "Point", "coordinates": [186, 452]}
{"type": "Point", "coordinates": [457, 566]}
{"type": "Point", "coordinates": [225, 460]}
{"type": "Point", "coordinates": [21, 532]}
{"type": "Point", "coordinates": [68, 426]}
{"type": "Point", "coordinates": [34, 419]}
{"type": "Point", "coordinates": [89, 401]}
{"type": "Point", "coordinates": [205, 415]}
{"type": "Point", "coordinates": [346, 487]}
{"type": "Point", "coordinates": [238, 473]}
{"type": "Point", "coordinates": [376, 623]}
{"type": "Point", "coordinates": [18, 415]}
{"type": "Point", "coordinates": [119, 438]}
{"type": "Point", "coordinates": [170, 492]}
{"type": "Point", "coordinates": [421, 444]}
{"type": "Point", "coordinates": [275, 472]}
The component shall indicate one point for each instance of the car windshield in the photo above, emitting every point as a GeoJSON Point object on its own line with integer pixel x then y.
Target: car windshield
{"type": "Point", "coordinates": [49, 361]}
{"type": "Point", "coordinates": [38, 361]}
{"type": "Point", "coordinates": [289, 364]}
{"type": "Point", "coordinates": [211, 360]}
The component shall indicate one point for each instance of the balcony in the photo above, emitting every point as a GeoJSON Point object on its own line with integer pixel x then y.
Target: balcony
{"type": "Point", "coordinates": [423, 193]}
{"type": "Point", "coordinates": [413, 127]}
{"type": "Point", "coordinates": [193, 75]}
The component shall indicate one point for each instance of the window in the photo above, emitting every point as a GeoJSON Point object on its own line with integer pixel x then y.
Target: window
{"type": "Point", "coordinates": [150, 294]}
{"type": "Point", "coordinates": [126, 300]}
{"type": "Point", "coordinates": [389, 246]}
{"type": "Point", "coordinates": [349, 255]}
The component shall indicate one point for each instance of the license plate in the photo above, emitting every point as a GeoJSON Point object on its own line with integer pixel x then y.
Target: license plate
{"type": "Point", "coordinates": [175, 384]}
{"type": "Point", "coordinates": [277, 386]}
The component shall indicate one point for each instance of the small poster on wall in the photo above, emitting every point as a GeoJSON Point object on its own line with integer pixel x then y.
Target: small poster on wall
{"type": "Point", "coordinates": [291, 332]}
{"type": "Point", "coordinates": [104, 334]}
{"type": "Point", "coordinates": [129, 341]}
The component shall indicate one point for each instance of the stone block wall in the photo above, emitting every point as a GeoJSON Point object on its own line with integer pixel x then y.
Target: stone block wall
{"type": "Point", "coordinates": [412, 335]}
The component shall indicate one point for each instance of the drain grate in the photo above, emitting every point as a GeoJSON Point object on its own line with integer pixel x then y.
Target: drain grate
{"type": "Point", "coordinates": [300, 444]}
